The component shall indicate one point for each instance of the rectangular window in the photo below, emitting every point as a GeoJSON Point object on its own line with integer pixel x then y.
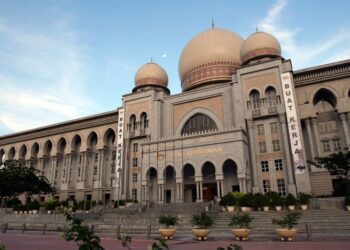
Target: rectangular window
{"type": "Point", "coordinates": [260, 129]}
{"type": "Point", "coordinates": [79, 172]}
{"type": "Point", "coordinates": [336, 144]}
{"type": "Point", "coordinates": [276, 146]}
{"type": "Point", "coordinates": [326, 146]}
{"type": "Point", "coordinates": [279, 165]}
{"type": "Point", "coordinates": [95, 170]}
{"type": "Point", "coordinates": [113, 168]}
{"type": "Point", "coordinates": [96, 157]}
{"type": "Point", "coordinates": [266, 186]}
{"type": "Point", "coordinates": [281, 187]}
{"type": "Point", "coordinates": [264, 166]}
{"type": "Point", "coordinates": [274, 128]}
{"type": "Point", "coordinates": [134, 162]}
{"type": "Point", "coordinates": [135, 147]}
{"type": "Point", "coordinates": [262, 147]}
{"type": "Point", "coordinates": [134, 177]}
{"type": "Point", "coordinates": [134, 194]}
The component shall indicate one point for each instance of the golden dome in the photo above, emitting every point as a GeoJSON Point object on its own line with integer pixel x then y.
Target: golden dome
{"type": "Point", "coordinates": [211, 56]}
{"type": "Point", "coordinates": [151, 74]}
{"type": "Point", "coordinates": [260, 44]}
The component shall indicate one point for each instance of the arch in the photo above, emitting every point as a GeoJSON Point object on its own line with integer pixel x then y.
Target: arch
{"type": "Point", "coordinates": [22, 152]}
{"type": "Point", "coordinates": [195, 111]}
{"type": "Point", "coordinates": [169, 174]}
{"type": "Point", "coordinates": [198, 123]}
{"type": "Point", "coordinates": [189, 184]}
{"type": "Point", "coordinates": [271, 96]}
{"type": "Point", "coordinates": [326, 95]}
{"type": "Point", "coordinates": [12, 153]}
{"type": "Point", "coordinates": [144, 120]}
{"type": "Point", "coordinates": [209, 186]}
{"type": "Point", "coordinates": [76, 143]}
{"type": "Point", "coordinates": [230, 183]}
{"type": "Point", "coordinates": [92, 140]}
{"type": "Point", "coordinates": [34, 150]}
{"type": "Point", "coordinates": [152, 179]}
{"type": "Point", "coordinates": [132, 122]}
{"type": "Point", "coordinates": [2, 156]}
{"type": "Point", "coordinates": [61, 146]}
{"type": "Point", "coordinates": [254, 97]}
{"type": "Point", "coordinates": [47, 148]}
{"type": "Point", "coordinates": [109, 137]}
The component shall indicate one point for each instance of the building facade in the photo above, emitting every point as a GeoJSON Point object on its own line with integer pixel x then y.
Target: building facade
{"type": "Point", "coordinates": [245, 121]}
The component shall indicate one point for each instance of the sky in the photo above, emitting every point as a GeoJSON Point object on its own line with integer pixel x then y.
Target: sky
{"type": "Point", "coordinates": [65, 59]}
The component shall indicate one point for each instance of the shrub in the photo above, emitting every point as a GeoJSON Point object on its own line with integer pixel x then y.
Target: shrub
{"type": "Point", "coordinates": [228, 200]}
{"type": "Point", "coordinates": [275, 199]}
{"type": "Point", "coordinates": [304, 198]}
{"type": "Point", "coordinates": [258, 197]}
{"type": "Point", "coordinates": [17, 207]}
{"type": "Point", "coordinates": [347, 200]}
{"type": "Point", "coordinates": [12, 202]}
{"type": "Point", "coordinates": [238, 195]}
{"type": "Point", "coordinates": [240, 220]}
{"type": "Point", "coordinates": [291, 200]}
{"type": "Point", "coordinates": [51, 204]}
{"type": "Point", "coordinates": [247, 200]}
{"type": "Point", "coordinates": [168, 220]}
{"type": "Point", "coordinates": [265, 201]}
{"type": "Point", "coordinates": [202, 220]}
{"type": "Point", "coordinates": [289, 220]}
{"type": "Point", "coordinates": [33, 205]}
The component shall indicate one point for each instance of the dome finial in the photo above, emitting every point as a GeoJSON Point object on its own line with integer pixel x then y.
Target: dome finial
{"type": "Point", "coordinates": [256, 29]}
{"type": "Point", "coordinates": [212, 23]}
{"type": "Point", "coordinates": [151, 59]}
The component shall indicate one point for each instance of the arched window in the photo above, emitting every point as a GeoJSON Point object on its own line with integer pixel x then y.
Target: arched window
{"type": "Point", "coordinates": [271, 97]}
{"type": "Point", "coordinates": [144, 120]}
{"type": "Point", "coordinates": [255, 99]}
{"type": "Point", "coordinates": [198, 123]}
{"type": "Point", "coordinates": [133, 124]}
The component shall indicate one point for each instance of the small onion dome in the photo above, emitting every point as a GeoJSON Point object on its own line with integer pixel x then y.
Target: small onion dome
{"type": "Point", "coordinates": [151, 75]}
{"type": "Point", "coordinates": [211, 56]}
{"type": "Point", "coordinates": [258, 45]}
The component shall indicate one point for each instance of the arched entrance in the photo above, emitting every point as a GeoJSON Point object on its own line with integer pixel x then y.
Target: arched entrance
{"type": "Point", "coordinates": [152, 177]}
{"type": "Point", "coordinates": [169, 187]}
{"type": "Point", "coordinates": [189, 183]}
{"type": "Point", "coordinates": [231, 183]}
{"type": "Point", "coordinates": [209, 186]}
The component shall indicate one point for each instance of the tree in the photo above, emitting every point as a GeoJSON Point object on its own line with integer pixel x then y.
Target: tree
{"type": "Point", "coordinates": [16, 179]}
{"type": "Point", "coordinates": [337, 164]}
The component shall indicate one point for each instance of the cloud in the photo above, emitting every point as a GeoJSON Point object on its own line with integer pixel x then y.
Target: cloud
{"type": "Point", "coordinates": [43, 75]}
{"type": "Point", "coordinates": [303, 54]}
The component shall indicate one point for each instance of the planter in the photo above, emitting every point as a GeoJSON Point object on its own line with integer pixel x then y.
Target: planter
{"type": "Point", "coordinates": [241, 233]}
{"type": "Point", "coordinates": [230, 208]}
{"type": "Point", "coordinates": [20, 212]}
{"type": "Point", "coordinates": [129, 204]}
{"type": "Point", "coordinates": [278, 208]}
{"type": "Point", "coordinates": [291, 207]}
{"type": "Point", "coordinates": [348, 208]}
{"type": "Point", "coordinates": [201, 234]}
{"type": "Point", "coordinates": [246, 209]}
{"type": "Point", "coordinates": [35, 211]}
{"type": "Point", "coordinates": [49, 211]}
{"type": "Point", "coordinates": [304, 207]}
{"type": "Point", "coordinates": [286, 234]}
{"type": "Point", "coordinates": [266, 208]}
{"type": "Point", "coordinates": [16, 212]}
{"type": "Point", "coordinates": [167, 233]}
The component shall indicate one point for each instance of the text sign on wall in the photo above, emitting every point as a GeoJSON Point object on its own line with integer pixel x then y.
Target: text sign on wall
{"type": "Point", "coordinates": [293, 124]}
{"type": "Point", "coordinates": [120, 139]}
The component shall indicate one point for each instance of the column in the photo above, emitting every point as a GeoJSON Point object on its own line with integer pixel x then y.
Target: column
{"type": "Point", "coordinates": [53, 169]}
{"type": "Point", "coordinates": [309, 135]}
{"type": "Point", "coordinates": [253, 155]}
{"type": "Point", "coordinates": [218, 188]}
{"type": "Point", "coordinates": [317, 140]}
{"type": "Point", "coordinates": [285, 138]}
{"type": "Point", "coordinates": [201, 191]}
{"type": "Point", "coordinates": [197, 189]}
{"type": "Point", "coordinates": [345, 128]}
{"type": "Point", "coordinates": [221, 187]}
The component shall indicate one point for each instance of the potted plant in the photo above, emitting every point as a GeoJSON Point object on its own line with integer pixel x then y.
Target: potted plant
{"type": "Point", "coordinates": [51, 205]}
{"type": "Point", "coordinates": [265, 203]}
{"type": "Point", "coordinates": [304, 200]}
{"type": "Point", "coordinates": [257, 201]}
{"type": "Point", "coordinates": [287, 232]}
{"type": "Point", "coordinates": [201, 222]}
{"type": "Point", "coordinates": [347, 202]}
{"type": "Point", "coordinates": [276, 200]}
{"type": "Point", "coordinates": [16, 208]}
{"type": "Point", "coordinates": [229, 201]}
{"type": "Point", "coordinates": [168, 221]}
{"type": "Point", "coordinates": [291, 201]}
{"type": "Point", "coordinates": [246, 202]}
{"type": "Point", "coordinates": [240, 222]}
{"type": "Point", "coordinates": [34, 206]}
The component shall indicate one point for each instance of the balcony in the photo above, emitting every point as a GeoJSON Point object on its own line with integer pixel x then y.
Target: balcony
{"type": "Point", "coordinates": [256, 112]}
{"type": "Point", "coordinates": [272, 110]}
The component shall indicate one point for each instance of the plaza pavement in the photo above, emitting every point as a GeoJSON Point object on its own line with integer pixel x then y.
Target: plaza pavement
{"type": "Point", "coordinates": [14, 240]}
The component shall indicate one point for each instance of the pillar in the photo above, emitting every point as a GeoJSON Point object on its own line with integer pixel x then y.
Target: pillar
{"type": "Point", "coordinates": [218, 187]}
{"type": "Point", "coordinates": [53, 169]}
{"type": "Point", "coordinates": [250, 124]}
{"type": "Point", "coordinates": [345, 128]}
{"type": "Point", "coordinates": [317, 140]}
{"type": "Point", "coordinates": [310, 138]}
{"type": "Point", "coordinates": [285, 138]}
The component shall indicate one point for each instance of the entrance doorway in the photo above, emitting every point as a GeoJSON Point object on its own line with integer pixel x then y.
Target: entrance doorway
{"type": "Point", "coordinates": [209, 186]}
{"type": "Point", "coordinates": [168, 196]}
{"type": "Point", "coordinates": [189, 183]}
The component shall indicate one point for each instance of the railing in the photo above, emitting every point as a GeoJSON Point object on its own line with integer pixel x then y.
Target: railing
{"type": "Point", "coordinates": [256, 112]}
{"type": "Point", "coordinates": [272, 110]}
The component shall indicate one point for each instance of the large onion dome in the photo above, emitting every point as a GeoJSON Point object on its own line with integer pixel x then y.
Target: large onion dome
{"type": "Point", "coordinates": [151, 75]}
{"type": "Point", "coordinates": [258, 45]}
{"type": "Point", "coordinates": [211, 56]}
